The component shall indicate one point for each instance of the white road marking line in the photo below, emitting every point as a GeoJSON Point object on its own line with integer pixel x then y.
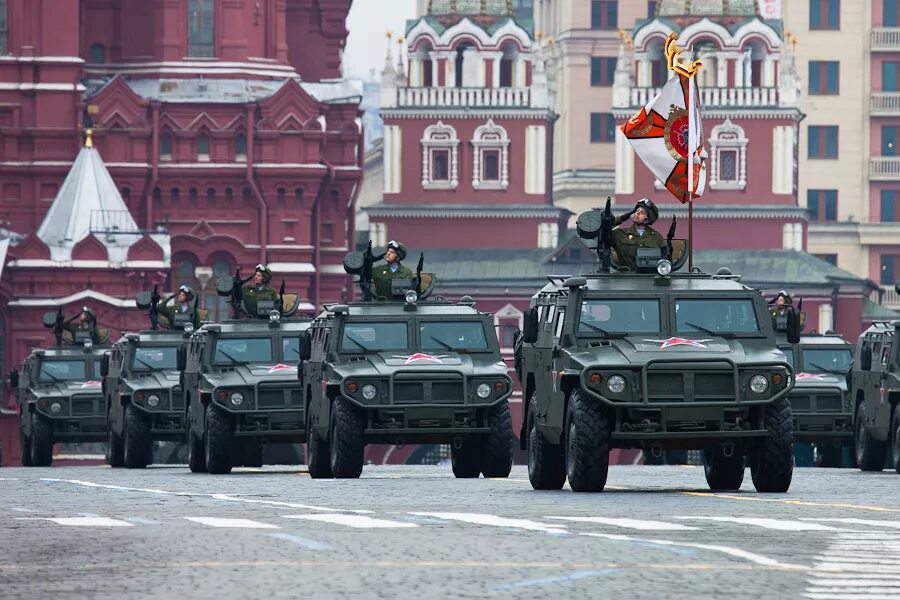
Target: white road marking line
{"type": "Point", "coordinates": [231, 523]}
{"type": "Point", "coordinates": [356, 521]}
{"type": "Point", "coordinates": [777, 524]}
{"type": "Point", "coordinates": [855, 568]}
{"type": "Point", "coordinates": [758, 559]}
{"type": "Point", "coordinates": [142, 521]}
{"type": "Point", "coordinates": [854, 596]}
{"type": "Point", "coordinates": [853, 521]}
{"type": "Point", "coordinates": [9, 479]}
{"type": "Point", "coordinates": [300, 541]}
{"type": "Point", "coordinates": [88, 521]}
{"type": "Point", "coordinates": [854, 582]}
{"type": "Point", "coordinates": [495, 521]}
{"type": "Point", "coordinates": [640, 524]}
{"type": "Point", "coordinates": [224, 497]}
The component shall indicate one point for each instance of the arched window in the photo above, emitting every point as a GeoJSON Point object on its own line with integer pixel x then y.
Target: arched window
{"type": "Point", "coordinates": [203, 148]}
{"type": "Point", "coordinates": [97, 54]}
{"type": "Point", "coordinates": [165, 147]}
{"type": "Point", "coordinates": [184, 272]}
{"type": "Point", "coordinates": [176, 196]}
{"type": "Point", "coordinates": [217, 305]}
{"type": "Point", "coordinates": [465, 59]}
{"type": "Point", "coordinates": [439, 157]}
{"type": "Point", "coordinates": [210, 197]}
{"type": "Point", "coordinates": [229, 197]}
{"type": "Point", "coordinates": [201, 40]}
{"type": "Point", "coordinates": [192, 196]}
{"type": "Point", "coordinates": [4, 27]}
{"type": "Point", "coordinates": [490, 168]}
{"type": "Point", "coordinates": [240, 147]}
{"type": "Point", "coordinates": [728, 157]}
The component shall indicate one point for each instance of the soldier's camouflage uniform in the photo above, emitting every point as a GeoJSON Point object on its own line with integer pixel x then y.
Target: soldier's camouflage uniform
{"type": "Point", "coordinates": [626, 241]}
{"type": "Point", "coordinates": [254, 293]}
{"type": "Point", "coordinates": [382, 277]}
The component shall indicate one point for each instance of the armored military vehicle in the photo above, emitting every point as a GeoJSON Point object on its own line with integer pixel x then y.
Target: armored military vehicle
{"type": "Point", "coordinates": [144, 399]}
{"type": "Point", "coordinates": [59, 391]}
{"type": "Point", "coordinates": [875, 391]}
{"type": "Point", "coordinates": [820, 400]}
{"type": "Point", "coordinates": [239, 380]}
{"type": "Point", "coordinates": [653, 358]}
{"type": "Point", "coordinates": [405, 370]}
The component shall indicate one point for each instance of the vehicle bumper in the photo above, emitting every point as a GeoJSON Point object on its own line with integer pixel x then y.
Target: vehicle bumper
{"type": "Point", "coordinates": [814, 427]}
{"type": "Point", "coordinates": [75, 429]}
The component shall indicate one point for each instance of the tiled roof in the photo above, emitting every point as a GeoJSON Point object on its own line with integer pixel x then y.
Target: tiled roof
{"type": "Point", "coordinates": [703, 8]}
{"type": "Point", "coordinates": [495, 8]}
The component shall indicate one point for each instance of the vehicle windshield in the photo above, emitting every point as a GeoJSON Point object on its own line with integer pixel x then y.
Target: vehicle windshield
{"type": "Point", "coordinates": [364, 337]}
{"type": "Point", "coordinates": [235, 351]}
{"type": "Point", "coordinates": [95, 367]}
{"type": "Point", "coordinates": [290, 348]}
{"type": "Point", "coordinates": [826, 360]}
{"type": "Point", "coordinates": [633, 315]}
{"type": "Point", "coordinates": [715, 316]}
{"type": "Point", "coordinates": [452, 335]}
{"type": "Point", "coordinates": [155, 358]}
{"type": "Point", "coordinates": [62, 370]}
{"type": "Point", "coordinates": [788, 355]}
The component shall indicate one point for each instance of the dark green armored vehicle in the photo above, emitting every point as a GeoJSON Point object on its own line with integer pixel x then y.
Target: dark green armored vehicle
{"type": "Point", "coordinates": [240, 385]}
{"type": "Point", "coordinates": [820, 400]}
{"type": "Point", "coordinates": [655, 360]}
{"type": "Point", "coordinates": [59, 391]}
{"type": "Point", "coordinates": [875, 390]}
{"type": "Point", "coordinates": [406, 371]}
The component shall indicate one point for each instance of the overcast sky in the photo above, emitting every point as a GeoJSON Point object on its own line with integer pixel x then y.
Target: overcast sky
{"type": "Point", "coordinates": [367, 22]}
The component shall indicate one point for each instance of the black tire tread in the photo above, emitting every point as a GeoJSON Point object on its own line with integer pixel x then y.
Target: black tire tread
{"type": "Point", "coordinates": [137, 446]}
{"type": "Point", "coordinates": [318, 456]}
{"type": "Point", "coordinates": [219, 441]}
{"type": "Point", "coordinates": [465, 460]}
{"type": "Point", "coordinates": [723, 473]}
{"type": "Point", "coordinates": [497, 458]}
{"type": "Point", "coordinates": [41, 441]}
{"type": "Point", "coordinates": [873, 452]}
{"type": "Point", "coordinates": [587, 465]}
{"type": "Point", "coordinates": [895, 438]}
{"type": "Point", "coordinates": [546, 461]}
{"type": "Point", "coordinates": [196, 452]}
{"type": "Point", "coordinates": [347, 443]}
{"type": "Point", "coordinates": [772, 464]}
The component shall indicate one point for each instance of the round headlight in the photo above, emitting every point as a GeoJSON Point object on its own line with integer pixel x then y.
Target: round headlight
{"type": "Point", "coordinates": [237, 398]}
{"type": "Point", "coordinates": [189, 328]}
{"type": "Point", "coordinates": [664, 267]}
{"type": "Point", "coordinates": [411, 296]}
{"type": "Point", "coordinates": [616, 384]}
{"type": "Point", "coordinates": [153, 400]}
{"type": "Point", "coordinates": [759, 384]}
{"type": "Point", "coordinates": [369, 391]}
{"type": "Point", "coordinates": [55, 408]}
{"type": "Point", "coordinates": [483, 390]}
{"type": "Point", "coordinates": [274, 316]}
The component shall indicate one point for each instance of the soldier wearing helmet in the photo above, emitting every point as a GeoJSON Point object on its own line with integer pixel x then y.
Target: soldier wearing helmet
{"type": "Point", "coordinates": [82, 325]}
{"type": "Point", "coordinates": [183, 304]}
{"type": "Point", "coordinates": [392, 269]}
{"type": "Point", "coordinates": [782, 303]}
{"type": "Point", "coordinates": [626, 240]}
{"type": "Point", "coordinates": [259, 289]}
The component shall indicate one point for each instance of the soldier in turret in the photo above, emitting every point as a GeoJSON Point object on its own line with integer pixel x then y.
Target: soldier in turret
{"type": "Point", "coordinates": [82, 325]}
{"type": "Point", "coordinates": [259, 289]}
{"type": "Point", "coordinates": [779, 310]}
{"type": "Point", "coordinates": [626, 240]}
{"type": "Point", "coordinates": [382, 275]}
{"type": "Point", "coordinates": [183, 305]}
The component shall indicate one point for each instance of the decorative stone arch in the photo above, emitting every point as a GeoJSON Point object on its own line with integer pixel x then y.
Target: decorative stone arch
{"type": "Point", "coordinates": [728, 146]}
{"type": "Point", "coordinates": [506, 321]}
{"type": "Point", "coordinates": [440, 149]}
{"type": "Point", "coordinates": [705, 28]}
{"type": "Point", "coordinates": [491, 142]}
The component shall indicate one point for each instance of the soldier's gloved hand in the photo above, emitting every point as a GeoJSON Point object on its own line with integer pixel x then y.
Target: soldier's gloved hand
{"type": "Point", "coordinates": [623, 217]}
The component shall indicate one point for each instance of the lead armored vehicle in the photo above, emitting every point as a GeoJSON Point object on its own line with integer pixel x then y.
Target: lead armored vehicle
{"type": "Point", "coordinates": [820, 400]}
{"type": "Point", "coordinates": [875, 390]}
{"type": "Point", "coordinates": [653, 359]}
{"type": "Point", "coordinates": [239, 379]}
{"type": "Point", "coordinates": [59, 390]}
{"type": "Point", "coordinates": [141, 387]}
{"type": "Point", "coordinates": [406, 370]}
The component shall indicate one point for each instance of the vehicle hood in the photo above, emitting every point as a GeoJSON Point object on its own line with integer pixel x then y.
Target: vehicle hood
{"type": "Point", "coordinates": [388, 363]}
{"type": "Point", "coordinates": [637, 350]}
{"type": "Point", "coordinates": [250, 375]}
{"type": "Point", "coordinates": [69, 388]}
{"type": "Point", "coordinates": [819, 380]}
{"type": "Point", "coordinates": [155, 380]}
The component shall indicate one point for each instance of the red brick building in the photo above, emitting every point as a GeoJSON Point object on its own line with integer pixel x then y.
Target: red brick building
{"type": "Point", "coordinates": [228, 134]}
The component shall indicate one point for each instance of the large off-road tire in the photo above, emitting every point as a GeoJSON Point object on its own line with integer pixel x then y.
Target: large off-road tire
{"type": "Point", "coordinates": [870, 453]}
{"type": "Point", "coordinates": [466, 460]}
{"type": "Point", "coordinates": [41, 441]}
{"type": "Point", "coordinates": [772, 461]}
{"type": "Point", "coordinates": [723, 473]}
{"type": "Point", "coordinates": [318, 456]}
{"type": "Point", "coordinates": [586, 444]}
{"type": "Point", "coordinates": [196, 452]}
{"type": "Point", "coordinates": [138, 447]}
{"type": "Point", "coordinates": [497, 454]}
{"type": "Point", "coordinates": [828, 456]}
{"type": "Point", "coordinates": [895, 438]}
{"type": "Point", "coordinates": [219, 441]}
{"type": "Point", "coordinates": [115, 451]}
{"type": "Point", "coordinates": [346, 441]}
{"type": "Point", "coordinates": [251, 452]}
{"type": "Point", "coordinates": [25, 447]}
{"type": "Point", "coordinates": [546, 461]}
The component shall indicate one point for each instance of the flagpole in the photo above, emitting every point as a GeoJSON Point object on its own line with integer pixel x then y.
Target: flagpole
{"type": "Point", "coordinates": [690, 167]}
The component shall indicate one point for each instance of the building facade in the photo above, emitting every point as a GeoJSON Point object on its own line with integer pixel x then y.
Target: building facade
{"type": "Point", "coordinates": [223, 125]}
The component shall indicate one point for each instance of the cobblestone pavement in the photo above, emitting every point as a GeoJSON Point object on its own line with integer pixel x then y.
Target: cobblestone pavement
{"type": "Point", "coordinates": [416, 532]}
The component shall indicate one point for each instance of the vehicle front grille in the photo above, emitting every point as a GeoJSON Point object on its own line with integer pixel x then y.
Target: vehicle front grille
{"type": "Point", "coordinates": [816, 403]}
{"type": "Point", "coordinates": [690, 386]}
{"type": "Point", "coordinates": [448, 392]}
{"type": "Point", "coordinates": [86, 406]}
{"type": "Point", "coordinates": [428, 392]}
{"type": "Point", "coordinates": [407, 392]}
{"type": "Point", "coordinates": [278, 398]}
{"type": "Point", "coordinates": [665, 386]}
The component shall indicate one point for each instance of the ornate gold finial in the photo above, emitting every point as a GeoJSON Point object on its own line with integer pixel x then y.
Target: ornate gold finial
{"type": "Point", "coordinates": [400, 40]}
{"type": "Point", "coordinates": [539, 36]}
{"type": "Point", "coordinates": [551, 41]}
{"type": "Point", "coordinates": [791, 38]}
{"type": "Point", "coordinates": [88, 142]}
{"type": "Point", "coordinates": [389, 34]}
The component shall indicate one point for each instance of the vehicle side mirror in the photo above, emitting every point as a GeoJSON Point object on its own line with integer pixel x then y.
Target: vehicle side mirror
{"type": "Point", "coordinates": [104, 365]}
{"type": "Point", "coordinates": [14, 378]}
{"type": "Point", "coordinates": [181, 358]}
{"type": "Point", "coordinates": [530, 326]}
{"type": "Point", "coordinates": [305, 346]}
{"type": "Point", "coordinates": [793, 327]}
{"type": "Point", "coordinates": [865, 358]}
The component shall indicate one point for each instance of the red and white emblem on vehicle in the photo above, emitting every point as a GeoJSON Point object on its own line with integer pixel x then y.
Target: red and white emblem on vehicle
{"type": "Point", "coordinates": [801, 376]}
{"type": "Point", "coordinates": [677, 341]}
{"type": "Point", "coordinates": [280, 368]}
{"type": "Point", "coordinates": [420, 357]}
{"type": "Point", "coordinates": [87, 384]}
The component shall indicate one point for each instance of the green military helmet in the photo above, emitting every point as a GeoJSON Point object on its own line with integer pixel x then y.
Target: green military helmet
{"type": "Point", "coordinates": [652, 211]}
{"type": "Point", "coordinates": [87, 311]}
{"type": "Point", "coordinates": [187, 290]}
{"type": "Point", "coordinates": [399, 248]}
{"type": "Point", "coordinates": [266, 272]}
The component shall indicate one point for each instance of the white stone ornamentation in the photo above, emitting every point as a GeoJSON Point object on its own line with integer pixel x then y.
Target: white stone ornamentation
{"type": "Point", "coordinates": [728, 137]}
{"type": "Point", "coordinates": [440, 137]}
{"type": "Point", "coordinates": [490, 136]}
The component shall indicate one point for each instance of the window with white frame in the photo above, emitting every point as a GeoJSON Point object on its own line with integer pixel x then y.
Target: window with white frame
{"type": "Point", "coordinates": [508, 321]}
{"type": "Point", "coordinates": [439, 157]}
{"type": "Point", "coordinates": [378, 234]}
{"type": "Point", "coordinates": [728, 157]}
{"type": "Point", "coordinates": [490, 168]}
